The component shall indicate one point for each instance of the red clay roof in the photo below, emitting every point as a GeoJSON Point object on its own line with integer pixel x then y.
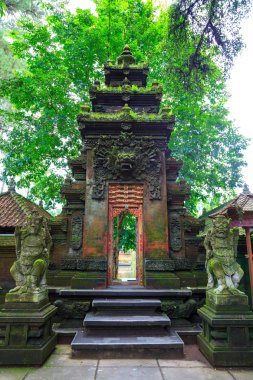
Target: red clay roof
{"type": "Point", "coordinates": [14, 209]}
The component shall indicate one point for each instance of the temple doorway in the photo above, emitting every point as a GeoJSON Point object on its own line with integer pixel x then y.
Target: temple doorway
{"type": "Point", "coordinates": [124, 247]}
{"type": "Point", "coordinates": [125, 240]}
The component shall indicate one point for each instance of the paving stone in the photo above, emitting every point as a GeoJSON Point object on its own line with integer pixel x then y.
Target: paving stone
{"type": "Point", "coordinates": [56, 360]}
{"type": "Point", "coordinates": [171, 373]}
{"type": "Point", "coordinates": [242, 374]}
{"type": "Point", "coordinates": [13, 373]}
{"type": "Point", "coordinates": [57, 373]}
{"type": "Point", "coordinates": [181, 363]}
{"type": "Point", "coordinates": [126, 373]}
{"type": "Point", "coordinates": [128, 363]}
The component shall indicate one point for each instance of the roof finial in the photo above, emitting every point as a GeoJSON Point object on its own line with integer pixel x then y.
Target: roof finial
{"type": "Point", "coordinates": [246, 189]}
{"type": "Point", "coordinates": [11, 184]}
{"type": "Point", "coordinates": [126, 57]}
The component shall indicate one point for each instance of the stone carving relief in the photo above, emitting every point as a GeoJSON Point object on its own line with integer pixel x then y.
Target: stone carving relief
{"type": "Point", "coordinates": [175, 233]}
{"type": "Point", "coordinates": [76, 233]}
{"type": "Point", "coordinates": [71, 310]}
{"type": "Point", "coordinates": [126, 158]}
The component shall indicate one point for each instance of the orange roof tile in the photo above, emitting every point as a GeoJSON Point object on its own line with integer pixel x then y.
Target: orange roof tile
{"type": "Point", "coordinates": [14, 209]}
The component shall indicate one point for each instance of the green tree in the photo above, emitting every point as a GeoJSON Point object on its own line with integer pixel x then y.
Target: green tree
{"type": "Point", "coordinates": [64, 55]}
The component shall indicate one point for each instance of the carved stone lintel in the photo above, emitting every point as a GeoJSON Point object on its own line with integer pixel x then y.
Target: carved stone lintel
{"type": "Point", "coordinates": [183, 263]}
{"type": "Point", "coordinates": [85, 264]}
{"type": "Point", "coordinates": [126, 159]}
{"type": "Point", "coordinates": [160, 265]}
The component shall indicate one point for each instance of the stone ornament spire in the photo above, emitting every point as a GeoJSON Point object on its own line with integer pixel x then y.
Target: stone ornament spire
{"type": "Point", "coordinates": [246, 189]}
{"type": "Point", "coordinates": [11, 184]}
{"type": "Point", "coordinates": [126, 57]}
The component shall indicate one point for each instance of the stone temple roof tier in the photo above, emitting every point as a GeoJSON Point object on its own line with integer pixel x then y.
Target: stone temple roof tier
{"type": "Point", "coordinates": [126, 71]}
{"type": "Point", "coordinates": [112, 99]}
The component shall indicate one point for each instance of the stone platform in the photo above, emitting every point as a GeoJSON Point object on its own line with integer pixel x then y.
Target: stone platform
{"type": "Point", "coordinates": [122, 291]}
{"type": "Point", "coordinates": [127, 328]}
{"type": "Point", "coordinates": [227, 337]}
{"type": "Point", "coordinates": [26, 336]}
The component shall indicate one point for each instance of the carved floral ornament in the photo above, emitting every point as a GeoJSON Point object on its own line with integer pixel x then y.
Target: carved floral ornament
{"type": "Point", "coordinates": [126, 158]}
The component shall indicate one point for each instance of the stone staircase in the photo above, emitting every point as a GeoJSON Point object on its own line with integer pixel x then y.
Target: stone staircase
{"type": "Point", "coordinates": [127, 328]}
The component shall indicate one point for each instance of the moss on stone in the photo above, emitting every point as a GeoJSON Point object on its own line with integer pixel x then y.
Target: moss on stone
{"type": "Point", "coordinates": [126, 89]}
{"type": "Point", "coordinates": [126, 115]}
{"type": "Point", "coordinates": [136, 66]}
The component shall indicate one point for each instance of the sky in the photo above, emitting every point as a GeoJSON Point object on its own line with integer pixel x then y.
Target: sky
{"type": "Point", "coordinates": [239, 86]}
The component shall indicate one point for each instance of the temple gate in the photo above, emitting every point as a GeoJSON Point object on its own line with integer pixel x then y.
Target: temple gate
{"type": "Point", "coordinates": [126, 166]}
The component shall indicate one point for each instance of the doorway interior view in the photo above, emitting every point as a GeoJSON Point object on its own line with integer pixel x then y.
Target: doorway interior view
{"type": "Point", "coordinates": [125, 240]}
{"type": "Point", "coordinates": [124, 247]}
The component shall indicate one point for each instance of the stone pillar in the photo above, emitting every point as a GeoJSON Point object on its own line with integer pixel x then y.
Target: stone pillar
{"type": "Point", "coordinates": [158, 266]}
{"type": "Point", "coordinates": [155, 221]}
{"type": "Point", "coordinates": [95, 235]}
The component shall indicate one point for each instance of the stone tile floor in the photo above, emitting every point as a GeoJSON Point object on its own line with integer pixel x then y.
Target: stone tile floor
{"type": "Point", "coordinates": [61, 366]}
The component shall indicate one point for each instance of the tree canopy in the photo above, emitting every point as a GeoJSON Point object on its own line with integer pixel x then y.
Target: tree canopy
{"type": "Point", "coordinates": [190, 46]}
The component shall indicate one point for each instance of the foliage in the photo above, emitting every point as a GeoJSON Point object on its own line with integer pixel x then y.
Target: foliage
{"type": "Point", "coordinates": [124, 232]}
{"type": "Point", "coordinates": [216, 26]}
{"type": "Point", "coordinates": [64, 54]}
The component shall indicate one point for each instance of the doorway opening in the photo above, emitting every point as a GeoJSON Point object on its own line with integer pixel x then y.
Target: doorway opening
{"type": "Point", "coordinates": [125, 234]}
{"type": "Point", "coordinates": [124, 247]}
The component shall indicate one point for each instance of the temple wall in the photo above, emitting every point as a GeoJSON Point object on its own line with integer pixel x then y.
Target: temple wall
{"type": "Point", "coordinates": [7, 258]}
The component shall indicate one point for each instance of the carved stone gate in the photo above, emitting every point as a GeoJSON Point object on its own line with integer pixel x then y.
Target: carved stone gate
{"type": "Point", "coordinates": [125, 165]}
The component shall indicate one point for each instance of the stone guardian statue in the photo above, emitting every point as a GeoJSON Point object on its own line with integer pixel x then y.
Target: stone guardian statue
{"type": "Point", "coordinates": [224, 273]}
{"type": "Point", "coordinates": [33, 243]}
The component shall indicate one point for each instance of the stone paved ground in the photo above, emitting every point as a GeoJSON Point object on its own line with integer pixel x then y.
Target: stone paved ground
{"type": "Point", "coordinates": [61, 366]}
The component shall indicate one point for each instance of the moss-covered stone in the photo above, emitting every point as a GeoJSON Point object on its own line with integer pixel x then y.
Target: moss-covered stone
{"type": "Point", "coordinates": [162, 280]}
{"type": "Point", "coordinates": [127, 115]}
{"type": "Point", "coordinates": [187, 279]}
{"type": "Point", "coordinates": [89, 280]}
{"type": "Point", "coordinates": [26, 336]}
{"type": "Point", "coordinates": [227, 338]}
{"type": "Point", "coordinates": [126, 89]}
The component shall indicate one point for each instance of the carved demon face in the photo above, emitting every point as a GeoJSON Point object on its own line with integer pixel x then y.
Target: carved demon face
{"type": "Point", "coordinates": [125, 161]}
{"type": "Point", "coordinates": [221, 226]}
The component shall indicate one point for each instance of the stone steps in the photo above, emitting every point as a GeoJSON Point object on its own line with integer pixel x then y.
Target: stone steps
{"type": "Point", "coordinates": [120, 319]}
{"type": "Point", "coordinates": [120, 303]}
{"type": "Point", "coordinates": [129, 327]}
{"type": "Point", "coordinates": [171, 339]}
